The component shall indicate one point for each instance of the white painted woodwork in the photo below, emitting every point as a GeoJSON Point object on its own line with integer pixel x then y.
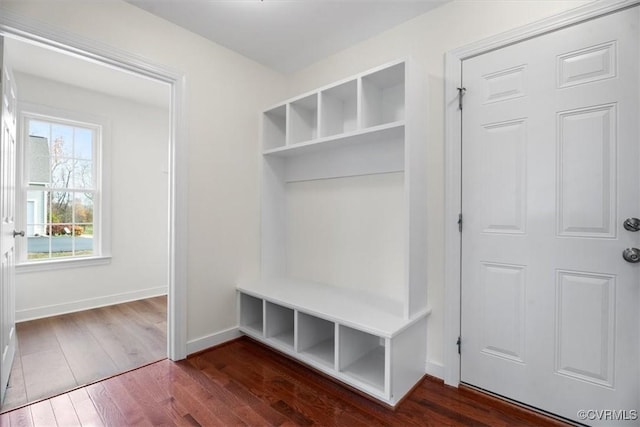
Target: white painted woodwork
{"type": "Point", "coordinates": [344, 231]}
{"type": "Point", "coordinates": [362, 154]}
{"type": "Point", "coordinates": [549, 167]}
{"type": "Point", "coordinates": [360, 339]}
{"type": "Point", "coordinates": [329, 236]}
{"type": "Point", "coordinates": [8, 127]}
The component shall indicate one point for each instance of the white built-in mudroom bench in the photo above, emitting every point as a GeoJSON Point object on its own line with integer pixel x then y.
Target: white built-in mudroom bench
{"type": "Point", "coordinates": [343, 232]}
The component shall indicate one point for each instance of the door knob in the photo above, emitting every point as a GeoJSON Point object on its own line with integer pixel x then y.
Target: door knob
{"type": "Point", "coordinates": [18, 233]}
{"type": "Point", "coordinates": [631, 224]}
{"type": "Point", "coordinates": [631, 255]}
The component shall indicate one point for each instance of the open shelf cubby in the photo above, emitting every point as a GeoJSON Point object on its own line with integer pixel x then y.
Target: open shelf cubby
{"type": "Point", "coordinates": [362, 357]}
{"type": "Point", "coordinates": [383, 96]}
{"type": "Point", "coordinates": [303, 123]}
{"type": "Point", "coordinates": [274, 127]}
{"type": "Point", "coordinates": [279, 324]}
{"type": "Point", "coordinates": [251, 316]}
{"type": "Point", "coordinates": [339, 109]}
{"type": "Point", "coordinates": [316, 339]}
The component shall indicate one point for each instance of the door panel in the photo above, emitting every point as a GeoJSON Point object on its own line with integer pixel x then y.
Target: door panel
{"type": "Point", "coordinates": [550, 172]}
{"type": "Point", "coordinates": [8, 119]}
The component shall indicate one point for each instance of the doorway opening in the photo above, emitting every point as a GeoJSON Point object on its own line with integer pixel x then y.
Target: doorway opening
{"type": "Point", "coordinates": [74, 275]}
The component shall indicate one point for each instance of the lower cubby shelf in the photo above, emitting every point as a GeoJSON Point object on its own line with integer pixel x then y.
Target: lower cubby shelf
{"type": "Point", "coordinates": [279, 324]}
{"type": "Point", "coordinates": [316, 339]}
{"type": "Point", "coordinates": [384, 363]}
{"type": "Point", "coordinates": [363, 357]}
{"type": "Point", "coordinates": [251, 313]}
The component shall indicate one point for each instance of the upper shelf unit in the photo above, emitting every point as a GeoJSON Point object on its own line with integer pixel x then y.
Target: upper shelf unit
{"type": "Point", "coordinates": [368, 103]}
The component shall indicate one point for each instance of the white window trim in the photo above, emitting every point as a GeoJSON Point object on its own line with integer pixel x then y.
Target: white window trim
{"type": "Point", "coordinates": [103, 160]}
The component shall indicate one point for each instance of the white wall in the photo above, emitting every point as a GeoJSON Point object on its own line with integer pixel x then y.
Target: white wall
{"type": "Point", "coordinates": [137, 142]}
{"type": "Point", "coordinates": [225, 93]}
{"type": "Point", "coordinates": [427, 38]}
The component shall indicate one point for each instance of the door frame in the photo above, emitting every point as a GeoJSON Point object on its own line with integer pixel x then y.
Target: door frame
{"type": "Point", "coordinates": [453, 158]}
{"type": "Point", "coordinates": [28, 29]}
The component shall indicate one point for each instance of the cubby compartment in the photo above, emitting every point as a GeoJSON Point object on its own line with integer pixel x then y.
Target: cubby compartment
{"type": "Point", "coordinates": [383, 96]}
{"type": "Point", "coordinates": [304, 119]}
{"type": "Point", "coordinates": [274, 128]}
{"type": "Point", "coordinates": [251, 317]}
{"type": "Point", "coordinates": [279, 324]}
{"type": "Point", "coordinates": [316, 339]}
{"type": "Point", "coordinates": [339, 109]}
{"type": "Point", "coordinates": [362, 357]}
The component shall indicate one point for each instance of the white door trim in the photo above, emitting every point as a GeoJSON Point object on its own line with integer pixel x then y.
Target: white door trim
{"type": "Point", "coordinates": [453, 157]}
{"type": "Point", "coordinates": [13, 25]}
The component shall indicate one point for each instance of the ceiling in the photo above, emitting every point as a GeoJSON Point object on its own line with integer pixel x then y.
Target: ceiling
{"type": "Point", "coordinates": [287, 35]}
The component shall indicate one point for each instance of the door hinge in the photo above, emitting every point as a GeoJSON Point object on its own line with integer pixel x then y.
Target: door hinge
{"type": "Point", "coordinates": [459, 344]}
{"type": "Point", "coordinates": [460, 222]}
{"type": "Point", "coordinates": [461, 92]}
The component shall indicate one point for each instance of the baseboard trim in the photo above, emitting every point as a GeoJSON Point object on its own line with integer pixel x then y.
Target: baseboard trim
{"type": "Point", "coordinates": [87, 304]}
{"type": "Point", "coordinates": [212, 340]}
{"type": "Point", "coordinates": [435, 369]}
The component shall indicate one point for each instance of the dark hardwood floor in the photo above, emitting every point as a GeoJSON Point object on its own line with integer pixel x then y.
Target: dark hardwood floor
{"type": "Point", "coordinates": [244, 383]}
{"type": "Point", "coordinates": [57, 354]}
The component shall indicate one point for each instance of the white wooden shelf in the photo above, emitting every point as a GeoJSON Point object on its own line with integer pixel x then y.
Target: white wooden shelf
{"type": "Point", "coordinates": [251, 316]}
{"type": "Point", "coordinates": [279, 324]}
{"type": "Point", "coordinates": [363, 311]}
{"type": "Point", "coordinates": [304, 119]}
{"type": "Point", "coordinates": [348, 335]}
{"type": "Point", "coordinates": [316, 339]}
{"type": "Point", "coordinates": [344, 207]}
{"type": "Point", "coordinates": [390, 131]}
{"type": "Point", "coordinates": [369, 369]}
{"type": "Point", "coordinates": [383, 96]}
{"type": "Point", "coordinates": [274, 127]}
{"type": "Point", "coordinates": [339, 108]}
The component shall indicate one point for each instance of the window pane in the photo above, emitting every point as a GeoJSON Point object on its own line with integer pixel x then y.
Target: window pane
{"type": "Point", "coordinates": [82, 245]}
{"type": "Point", "coordinates": [84, 144]}
{"type": "Point", "coordinates": [38, 171]}
{"type": "Point", "coordinates": [38, 128]}
{"type": "Point", "coordinates": [83, 206]}
{"type": "Point", "coordinates": [62, 173]}
{"type": "Point", "coordinates": [62, 141]}
{"type": "Point", "coordinates": [38, 247]}
{"type": "Point", "coordinates": [83, 176]}
{"type": "Point", "coordinates": [37, 212]}
{"type": "Point", "coordinates": [61, 210]}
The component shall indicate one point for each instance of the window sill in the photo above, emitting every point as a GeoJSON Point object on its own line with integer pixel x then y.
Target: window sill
{"type": "Point", "coordinates": [59, 264]}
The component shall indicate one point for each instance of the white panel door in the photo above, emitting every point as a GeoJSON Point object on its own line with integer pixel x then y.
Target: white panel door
{"type": "Point", "coordinates": [8, 126]}
{"type": "Point", "coordinates": [550, 173]}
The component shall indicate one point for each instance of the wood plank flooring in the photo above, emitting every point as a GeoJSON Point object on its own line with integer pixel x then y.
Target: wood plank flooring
{"type": "Point", "coordinates": [60, 353]}
{"type": "Point", "coordinates": [244, 383]}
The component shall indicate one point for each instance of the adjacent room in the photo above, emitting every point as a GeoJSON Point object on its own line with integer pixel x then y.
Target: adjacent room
{"type": "Point", "coordinates": [340, 213]}
{"type": "Point", "coordinates": [91, 269]}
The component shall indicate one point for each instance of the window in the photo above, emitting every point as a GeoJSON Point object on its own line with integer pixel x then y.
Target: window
{"type": "Point", "coordinates": [61, 194]}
